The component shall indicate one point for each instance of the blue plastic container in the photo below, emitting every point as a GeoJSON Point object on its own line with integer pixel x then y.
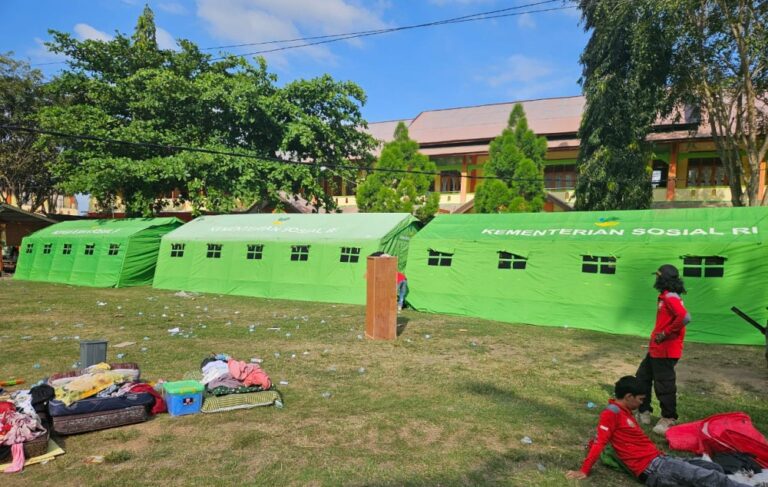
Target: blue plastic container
{"type": "Point", "coordinates": [183, 397]}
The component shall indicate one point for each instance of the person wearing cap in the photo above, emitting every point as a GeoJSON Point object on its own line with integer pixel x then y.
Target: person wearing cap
{"type": "Point", "coordinates": [657, 369]}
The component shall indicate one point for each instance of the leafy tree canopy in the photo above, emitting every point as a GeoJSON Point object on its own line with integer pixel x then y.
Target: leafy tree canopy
{"type": "Point", "coordinates": [24, 173]}
{"type": "Point", "coordinates": [128, 89]}
{"type": "Point", "coordinates": [516, 157]}
{"type": "Point", "coordinates": [392, 187]}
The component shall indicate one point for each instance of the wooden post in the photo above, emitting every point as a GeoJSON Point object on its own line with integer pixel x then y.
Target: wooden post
{"type": "Point", "coordinates": [381, 301]}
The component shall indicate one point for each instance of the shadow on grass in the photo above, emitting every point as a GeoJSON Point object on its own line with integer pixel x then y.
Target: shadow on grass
{"type": "Point", "coordinates": [402, 323]}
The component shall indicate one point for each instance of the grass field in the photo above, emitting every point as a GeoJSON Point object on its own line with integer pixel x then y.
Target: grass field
{"type": "Point", "coordinates": [447, 403]}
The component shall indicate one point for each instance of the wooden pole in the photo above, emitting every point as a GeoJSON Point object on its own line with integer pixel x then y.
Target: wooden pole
{"type": "Point", "coordinates": [381, 300]}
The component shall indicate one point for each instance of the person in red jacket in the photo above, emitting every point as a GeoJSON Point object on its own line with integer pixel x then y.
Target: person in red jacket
{"type": "Point", "coordinates": [666, 347]}
{"type": "Point", "coordinates": [636, 451]}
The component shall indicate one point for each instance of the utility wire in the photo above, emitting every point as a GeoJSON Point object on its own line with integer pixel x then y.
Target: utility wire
{"type": "Point", "coordinates": [320, 165]}
{"type": "Point", "coordinates": [389, 29]}
{"type": "Point", "coordinates": [325, 39]}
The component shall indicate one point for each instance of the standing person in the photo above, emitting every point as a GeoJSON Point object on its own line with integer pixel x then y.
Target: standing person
{"type": "Point", "coordinates": [664, 350]}
{"type": "Point", "coordinates": [402, 290]}
{"type": "Point", "coordinates": [636, 451]}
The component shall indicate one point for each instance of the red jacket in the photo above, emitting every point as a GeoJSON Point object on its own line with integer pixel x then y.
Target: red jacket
{"type": "Point", "coordinates": [671, 318]}
{"type": "Point", "coordinates": [618, 427]}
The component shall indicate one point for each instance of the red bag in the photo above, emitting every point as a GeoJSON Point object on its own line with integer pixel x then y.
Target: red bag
{"type": "Point", "coordinates": [726, 432]}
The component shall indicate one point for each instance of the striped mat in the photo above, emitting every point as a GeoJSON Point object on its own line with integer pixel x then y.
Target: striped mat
{"type": "Point", "coordinates": [213, 404]}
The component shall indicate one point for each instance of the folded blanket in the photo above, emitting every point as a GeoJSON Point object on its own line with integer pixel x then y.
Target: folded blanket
{"type": "Point", "coordinates": [88, 385]}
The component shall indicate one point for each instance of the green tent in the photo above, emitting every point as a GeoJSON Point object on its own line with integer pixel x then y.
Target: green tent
{"type": "Point", "coordinates": [310, 257]}
{"type": "Point", "coordinates": [98, 253]}
{"type": "Point", "coordinates": [594, 270]}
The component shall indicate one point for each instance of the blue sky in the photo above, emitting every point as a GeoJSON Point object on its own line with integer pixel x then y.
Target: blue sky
{"type": "Point", "coordinates": [515, 58]}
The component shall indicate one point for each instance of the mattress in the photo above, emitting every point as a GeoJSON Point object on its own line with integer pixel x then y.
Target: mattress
{"type": "Point", "coordinates": [81, 423]}
{"type": "Point", "coordinates": [213, 404]}
{"type": "Point", "coordinates": [57, 408]}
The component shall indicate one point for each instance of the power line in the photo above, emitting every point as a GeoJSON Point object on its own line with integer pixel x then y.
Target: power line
{"type": "Point", "coordinates": [325, 39]}
{"type": "Point", "coordinates": [276, 160]}
{"type": "Point", "coordinates": [390, 29]}
{"type": "Point", "coordinates": [394, 29]}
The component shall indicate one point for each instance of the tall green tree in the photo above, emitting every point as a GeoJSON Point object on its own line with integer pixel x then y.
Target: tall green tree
{"type": "Point", "coordinates": [516, 158]}
{"type": "Point", "coordinates": [624, 86]}
{"type": "Point", "coordinates": [24, 159]}
{"type": "Point", "coordinates": [130, 90]}
{"type": "Point", "coordinates": [651, 58]}
{"type": "Point", "coordinates": [396, 183]}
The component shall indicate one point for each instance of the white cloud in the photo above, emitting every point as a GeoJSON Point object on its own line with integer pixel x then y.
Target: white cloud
{"type": "Point", "coordinates": [41, 54]}
{"type": "Point", "coordinates": [252, 21]}
{"type": "Point", "coordinates": [521, 77]}
{"type": "Point", "coordinates": [526, 21]}
{"type": "Point", "coordinates": [173, 8]}
{"type": "Point", "coordinates": [85, 31]}
{"type": "Point", "coordinates": [164, 39]}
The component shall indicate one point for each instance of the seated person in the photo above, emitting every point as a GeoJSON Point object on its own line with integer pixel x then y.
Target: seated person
{"type": "Point", "coordinates": [617, 426]}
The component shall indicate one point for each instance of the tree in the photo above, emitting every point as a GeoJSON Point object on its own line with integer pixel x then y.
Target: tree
{"type": "Point", "coordinates": [397, 183]}
{"type": "Point", "coordinates": [516, 158]}
{"type": "Point", "coordinates": [24, 174]}
{"type": "Point", "coordinates": [624, 85]}
{"type": "Point", "coordinates": [128, 89]}
{"type": "Point", "coordinates": [647, 59]}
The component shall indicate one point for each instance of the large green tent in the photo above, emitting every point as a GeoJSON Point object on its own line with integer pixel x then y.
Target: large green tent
{"type": "Point", "coordinates": [310, 257]}
{"type": "Point", "coordinates": [98, 253]}
{"type": "Point", "coordinates": [594, 270]}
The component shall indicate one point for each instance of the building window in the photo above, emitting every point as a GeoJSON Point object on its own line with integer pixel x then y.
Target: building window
{"type": "Point", "coordinates": [441, 259]}
{"type": "Point", "coordinates": [511, 261]}
{"type": "Point", "coordinates": [177, 250]}
{"type": "Point", "coordinates": [659, 174]}
{"type": "Point", "coordinates": [560, 176]}
{"type": "Point", "coordinates": [299, 252]}
{"type": "Point", "coordinates": [350, 254]}
{"type": "Point", "coordinates": [30, 247]}
{"type": "Point", "coordinates": [67, 249]}
{"type": "Point", "coordinates": [214, 251]}
{"type": "Point", "coordinates": [255, 251]}
{"type": "Point", "coordinates": [593, 264]}
{"type": "Point", "coordinates": [89, 248]}
{"type": "Point", "coordinates": [47, 248]}
{"type": "Point", "coordinates": [703, 266]}
{"type": "Point", "coordinates": [450, 181]}
{"type": "Point", "coordinates": [114, 249]}
{"type": "Point", "coordinates": [706, 172]}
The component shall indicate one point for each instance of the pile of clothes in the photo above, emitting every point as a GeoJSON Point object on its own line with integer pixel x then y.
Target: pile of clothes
{"type": "Point", "coordinates": [102, 387]}
{"type": "Point", "coordinates": [224, 375]}
{"type": "Point", "coordinates": [20, 423]}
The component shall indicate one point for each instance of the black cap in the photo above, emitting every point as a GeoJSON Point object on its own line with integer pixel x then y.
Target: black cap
{"type": "Point", "coordinates": [668, 271]}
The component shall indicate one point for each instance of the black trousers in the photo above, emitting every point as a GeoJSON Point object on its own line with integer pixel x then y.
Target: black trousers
{"type": "Point", "coordinates": [659, 373]}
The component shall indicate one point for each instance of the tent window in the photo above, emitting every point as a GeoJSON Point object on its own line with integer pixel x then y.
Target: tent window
{"type": "Point", "coordinates": [30, 247]}
{"type": "Point", "coordinates": [440, 259]}
{"type": "Point", "coordinates": [255, 251]}
{"type": "Point", "coordinates": [703, 266]}
{"type": "Point", "coordinates": [214, 251]}
{"type": "Point", "coordinates": [594, 264]}
{"type": "Point", "coordinates": [508, 260]}
{"type": "Point", "coordinates": [350, 254]}
{"type": "Point", "coordinates": [299, 252]}
{"type": "Point", "coordinates": [177, 250]}
{"type": "Point", "coordinates": [114, 249]}
{"type": "Point", "coordinates": [67, 249]}
{"type": "Point", "coordinates": [47, 248]}
{"type": "Point", "coordinates": [89, 249]}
